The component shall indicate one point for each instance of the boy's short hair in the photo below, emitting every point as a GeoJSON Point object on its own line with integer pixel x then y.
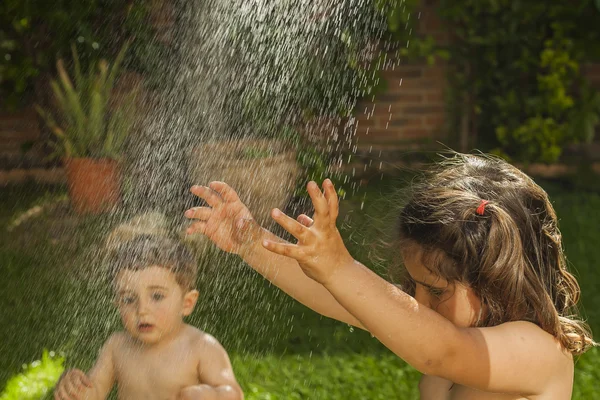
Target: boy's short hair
{"type": "Point", "coordinates": [146, 251]}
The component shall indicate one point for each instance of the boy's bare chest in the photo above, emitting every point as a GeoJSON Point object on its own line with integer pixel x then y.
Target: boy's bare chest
{"type": "Point", "coordinates": [155, 376]}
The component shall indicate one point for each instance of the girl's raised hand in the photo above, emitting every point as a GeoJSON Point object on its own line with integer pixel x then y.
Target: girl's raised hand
{"type": "Point", "coordinates": [226, 221]}
{"type": "Point", "coordinates": [320, 250]}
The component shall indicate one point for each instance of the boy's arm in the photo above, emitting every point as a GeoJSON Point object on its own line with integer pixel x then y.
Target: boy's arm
{"type": "Point", "coordinates": [102, 373]}
{"type": "Point", "coordinates": [215, 374]}
{"type": "Point", "coordinates": [96, 385]}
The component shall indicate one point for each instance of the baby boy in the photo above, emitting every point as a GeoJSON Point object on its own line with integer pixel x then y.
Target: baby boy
{"type": "Point", "coordinates": [157, 355]}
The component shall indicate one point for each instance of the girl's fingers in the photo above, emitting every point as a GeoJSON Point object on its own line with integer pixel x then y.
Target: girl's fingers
{"type": "Point", "coordinates": [295, 228]}
{"type": "Point", "coordinates": [332, 200]}
{"type": "Point", "coordinates": [207, 194]}
{"type": "Point", "coordinates": [225, 191]}
{"type": "Point", "coordinates": [319, 202]}
{"type": "Point", "coordinates": [305, 220]}
{"type": "Point", "coordinates": [198, 226]}
{"type": "Point", "coordinates": [201, 213]}
{"type": "Point", "coordinates": [284, 249]}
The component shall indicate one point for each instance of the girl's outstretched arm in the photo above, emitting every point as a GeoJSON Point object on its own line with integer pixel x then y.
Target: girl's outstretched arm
{"type": "Point", "coordinates": [514, 357]}
{"type": "Point", "coordinates": [228, 223]}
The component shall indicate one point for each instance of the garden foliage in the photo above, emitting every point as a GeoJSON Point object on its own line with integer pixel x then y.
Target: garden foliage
{"type": "Point", "coordinates": [36, 380]}
{"type": "Point", "coordinates": [518, 74]}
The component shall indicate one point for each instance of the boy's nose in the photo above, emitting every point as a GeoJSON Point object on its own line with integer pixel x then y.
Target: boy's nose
{"type": "Point", "coordinates": [142, 307]}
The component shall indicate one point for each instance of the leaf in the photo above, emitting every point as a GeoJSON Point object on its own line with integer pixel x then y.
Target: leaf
{"type": "Point", "coordinates": [119, 126]}
{"type": "Point", "coordinates": [67, 148]}
{"type": "Point", "coordinates": [72, 106]}
{"type": "Point", "coordinates": [114, 70]}
{"type": "Point", "coordinates": [79, 82]}
{"type": "Point", "coordinates": [95, 126]}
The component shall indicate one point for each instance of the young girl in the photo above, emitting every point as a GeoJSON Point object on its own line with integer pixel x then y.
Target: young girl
{"type": "Point", "coordinates": [487, 309]}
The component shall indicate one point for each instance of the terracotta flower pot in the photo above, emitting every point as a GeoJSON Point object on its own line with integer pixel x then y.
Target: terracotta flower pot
{"type": "Point", "coordinates": [94, 184]}
{"type": "Point", "coordinates": [263, 172]}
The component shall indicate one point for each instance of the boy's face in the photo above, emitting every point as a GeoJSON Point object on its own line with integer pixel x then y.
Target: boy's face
{"type": "Point", "coordinates": [151, 303]}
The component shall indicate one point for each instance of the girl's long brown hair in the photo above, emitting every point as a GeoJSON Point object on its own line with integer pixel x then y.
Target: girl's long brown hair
{"type": "Point", "coordinates": [511, 256]}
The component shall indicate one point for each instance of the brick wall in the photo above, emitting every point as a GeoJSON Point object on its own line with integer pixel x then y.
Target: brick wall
{"type": "Point", "coordinates": [592, 72]}
{"type": "Point", "coordinates": [22, 157]}
{"type": "Point", "coordinates": [410, 113]}
{"type": "Point", "coordinates": [17, 129]}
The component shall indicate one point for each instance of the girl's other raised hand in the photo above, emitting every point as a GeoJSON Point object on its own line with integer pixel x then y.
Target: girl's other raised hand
{"type": "Point", "coordinates": [226, 221]}
{"type": "Point", "coordinates": [320, 250]}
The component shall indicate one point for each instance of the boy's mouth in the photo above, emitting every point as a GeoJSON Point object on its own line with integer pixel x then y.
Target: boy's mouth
{"type": "Point", "coordinates": [145, 327]}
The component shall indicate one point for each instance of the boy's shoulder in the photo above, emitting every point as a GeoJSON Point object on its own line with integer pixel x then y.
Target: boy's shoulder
{"type": "Point", "coordinates": [199, 335]}
{"type": "Point", "coordinates": [201, 340]}
{"type": "Point", "coordinates": [116, 341]}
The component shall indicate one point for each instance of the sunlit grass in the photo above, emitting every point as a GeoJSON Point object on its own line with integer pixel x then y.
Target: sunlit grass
{"type": "Point", "coordinates": [280, 349]}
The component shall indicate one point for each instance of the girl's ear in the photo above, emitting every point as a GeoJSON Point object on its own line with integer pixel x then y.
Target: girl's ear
{"type": "Point", "coordinates": [189, 302]}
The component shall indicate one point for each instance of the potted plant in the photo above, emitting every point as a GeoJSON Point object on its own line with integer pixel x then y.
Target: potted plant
{"type": "Point", "coordinates": [91, 130]}
{"type": "Point", "coordinates": [263, 171]}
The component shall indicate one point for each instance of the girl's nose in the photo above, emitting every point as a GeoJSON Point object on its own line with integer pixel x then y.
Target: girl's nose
{"type": "Point", "coordinates": [422, 296]}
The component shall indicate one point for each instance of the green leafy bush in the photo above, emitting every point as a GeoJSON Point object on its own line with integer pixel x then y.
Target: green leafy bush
{"type": "Point", "coordinates": [517, 78]}
{"type": "Point", "coordinates": [34, 33]}
{"type": "Point", "coordinates": [36, 380]}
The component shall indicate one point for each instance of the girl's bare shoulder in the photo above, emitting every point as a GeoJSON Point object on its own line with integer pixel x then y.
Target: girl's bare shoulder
{"type": "Point", "coordinates": [513, 357]}
{"type": "Point", "coordinates": [528, 331]}
{"type": "Point", "coordinates": [528, 335]}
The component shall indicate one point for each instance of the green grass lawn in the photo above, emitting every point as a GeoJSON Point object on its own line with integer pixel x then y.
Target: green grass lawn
{"type": "Point", "coordinates": [52, 296]}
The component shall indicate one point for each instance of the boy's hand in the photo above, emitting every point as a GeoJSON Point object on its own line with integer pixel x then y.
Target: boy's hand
{"type": "Point", "coordinates": [320, 250]}
{"type": "Point", "coordinates": [227, 221]}
{"type": "Point", "coordinates": [73, 385]}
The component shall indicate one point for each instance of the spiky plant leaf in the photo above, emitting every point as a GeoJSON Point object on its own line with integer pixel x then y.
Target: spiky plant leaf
{"type": "Point", "coordinates": [96, 122]}
{"type": "Point", "coordinates": [84, 120]}
{"type": "Point", "coordinates": [73, 105]}
{"type": "Point", "coordinates": [79, 80]}
{"type": "Point", "coordinates": [115, 68]}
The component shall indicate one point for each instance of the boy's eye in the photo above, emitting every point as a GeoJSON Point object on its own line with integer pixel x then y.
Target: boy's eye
{"type": "Point", "coordinates": [127, 299]}
{"type": "Point", "coordinates": [157, 296]}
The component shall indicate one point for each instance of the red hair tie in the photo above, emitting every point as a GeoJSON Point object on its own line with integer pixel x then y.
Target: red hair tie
{"type": "Point", "coordinates": [481, 209]}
